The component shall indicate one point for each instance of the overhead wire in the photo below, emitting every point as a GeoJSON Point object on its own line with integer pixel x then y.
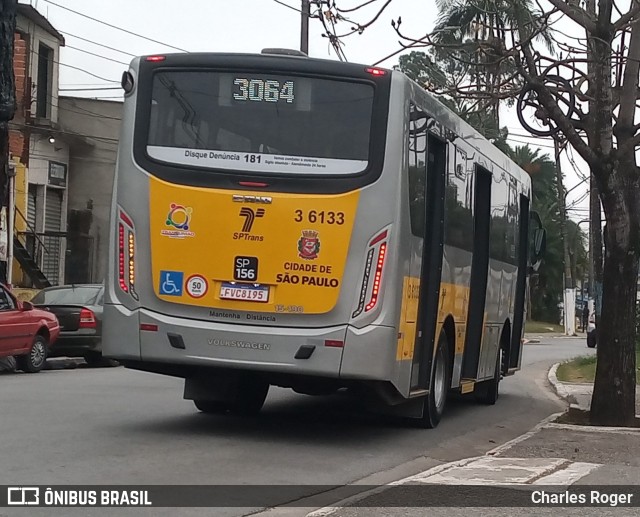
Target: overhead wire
{"type": "Point", "coordinates": [288, 6]}
{"type": "Point", "coordinates": [98, 44]}
{"type": "Point", "coordinates": [97, 55]}
{"type": "Point", "coordinates": [115, 26]}
{"type": "Point", "coordinates": [68, 132]}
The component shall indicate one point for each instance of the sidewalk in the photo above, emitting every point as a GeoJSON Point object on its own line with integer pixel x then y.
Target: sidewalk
{"type": "Point", "coordinates": [578, 394]}
{"type": "Point", "coordinates": [552, 456]}
{"type": "Point", "coordinates": [537, 337]}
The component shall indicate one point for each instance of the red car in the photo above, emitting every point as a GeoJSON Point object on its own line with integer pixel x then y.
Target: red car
{"type": "Point", "coordinates": [25, 332]}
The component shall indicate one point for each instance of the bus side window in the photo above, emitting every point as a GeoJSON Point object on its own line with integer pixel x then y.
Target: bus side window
{"type": "Point", "coordinates": [459, 220]}
{"type": "Point", "coordinates": [417, 169]}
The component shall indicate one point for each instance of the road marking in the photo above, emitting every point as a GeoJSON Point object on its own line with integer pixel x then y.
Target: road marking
{"type": "Point", "coordinates": [569, 475]}
{"type": "Point", "coordinates": [488, 470]}
{"type": "Point", "coordinates": [593, 428]}
{"type": "Point", "coordinates": [483, 470]}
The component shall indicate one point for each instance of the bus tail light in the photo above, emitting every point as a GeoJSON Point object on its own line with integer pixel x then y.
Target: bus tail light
{"type": "Point", "coordinates": [377, 249]}
{"type": "Point", "coordinates": [126, 255]}
{"type": "Point", "coordinates": [377, 278]}
{"type": "Point", "coordinates": [375, 71]}
{"type": "Point", "coordinates": [132, 266]}
{"type": "Point", "coordinates": [121, 259]}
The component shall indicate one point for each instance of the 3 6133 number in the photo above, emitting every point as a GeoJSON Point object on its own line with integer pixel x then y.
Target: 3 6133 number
{"type": "Point", "coordinates": [322, 217]}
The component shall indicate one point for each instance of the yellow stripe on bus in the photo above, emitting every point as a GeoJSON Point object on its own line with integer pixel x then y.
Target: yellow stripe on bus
{"type": "Point", "coordinates": [454, 301]}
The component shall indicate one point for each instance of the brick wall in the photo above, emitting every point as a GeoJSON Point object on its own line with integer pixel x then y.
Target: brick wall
{"type": "Point", "coordinates": [18, 139]}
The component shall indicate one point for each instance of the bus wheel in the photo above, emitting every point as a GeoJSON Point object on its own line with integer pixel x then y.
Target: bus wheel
{"type": "Point", "coordinates": [252, 392]}
{"type": "Point", "coordinates": [435, 402]}
{"type": "Point", "coordinates": [211, 407]}
{"type": "Point", "coordinates": [488, 391]}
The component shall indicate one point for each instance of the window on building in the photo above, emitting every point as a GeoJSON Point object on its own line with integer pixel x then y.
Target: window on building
{"type": "Point", "coordinates": [45, 81]}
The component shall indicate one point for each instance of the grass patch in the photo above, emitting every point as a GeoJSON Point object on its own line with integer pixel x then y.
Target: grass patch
{"type": "Point", "coordinates": [583, 369]}
{"type": "Point", "coordinates": [542, 327]}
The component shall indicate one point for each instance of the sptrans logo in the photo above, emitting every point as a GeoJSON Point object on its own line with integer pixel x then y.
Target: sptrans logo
{"type": "Point", "coordinates": [178, 218]}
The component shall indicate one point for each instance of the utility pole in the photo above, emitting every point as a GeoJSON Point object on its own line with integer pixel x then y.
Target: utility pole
{"type": "Point", "coordinates": [8, 11]}
{"type": "Point", "coordinates": [304, 27]}
{"type": "Point", "coordinates": [569, 298]}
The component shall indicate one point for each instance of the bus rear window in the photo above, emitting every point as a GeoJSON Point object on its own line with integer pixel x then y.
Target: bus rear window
{"type": "Point", "coordinates": [263, 123]}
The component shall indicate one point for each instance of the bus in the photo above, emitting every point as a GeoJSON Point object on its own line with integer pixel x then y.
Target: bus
{"type": "Point", "coordinates": [279, 220]}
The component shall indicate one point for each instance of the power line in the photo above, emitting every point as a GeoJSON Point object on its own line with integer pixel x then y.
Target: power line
{"type": "Point", "coordinates": [63, 132]}
{"type": "Point", "coordinates": [85, 71]}
{"type": "Point", "coordinates": [115, 26]}
{"type": "Point", "coordinates": [97, 55]}
{"type": "Point", "coordinates": [89, 89]}
{"type": "Point", "coordinates": [77, 85]}
{"type": "Point", "coordinates": [529, 143]}
{"type": "Point", "coordinates": [98, 44]}
{"type": "Point", "coordinates": [288, 6]}
{"type": "Point", "coordinates": [33, 51]}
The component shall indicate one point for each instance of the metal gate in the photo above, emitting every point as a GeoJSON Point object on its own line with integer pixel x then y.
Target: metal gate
{"type": "Point", "coordinates": [52, 223]}
{"type": "Point", "coordinates": [30, 240]}
{"type": "Point", "coordinates": [31, 206]}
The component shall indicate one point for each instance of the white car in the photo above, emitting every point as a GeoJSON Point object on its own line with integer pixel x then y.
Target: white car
{"type": "Point", "coordinates": [591, 332]}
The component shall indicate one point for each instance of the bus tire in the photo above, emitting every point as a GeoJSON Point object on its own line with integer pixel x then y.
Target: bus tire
{"type": "Point", "coordinates": [489, 391]}
{"type": "Point", "coordinates": [252, 392]}
{"type": "Point", "coordinates": [436, 401]}
{"type": "Point", "coordinates": [211, 407]}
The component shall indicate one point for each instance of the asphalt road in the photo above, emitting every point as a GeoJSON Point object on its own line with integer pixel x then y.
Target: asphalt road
{"type": "Point", "coordinates": [116, 426]}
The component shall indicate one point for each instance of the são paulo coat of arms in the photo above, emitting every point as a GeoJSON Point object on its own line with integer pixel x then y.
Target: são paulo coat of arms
{"type": "Point", "coordinates": [309, 245]}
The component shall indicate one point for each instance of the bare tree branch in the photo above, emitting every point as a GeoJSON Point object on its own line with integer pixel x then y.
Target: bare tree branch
{"type": "Point", "coordinates": [628, 17]}
{"type": "Point", "coordinates": [577, 14]}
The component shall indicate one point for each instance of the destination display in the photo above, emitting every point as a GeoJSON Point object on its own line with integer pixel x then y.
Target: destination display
{"type": "Point", "coordinates": [261, 122]}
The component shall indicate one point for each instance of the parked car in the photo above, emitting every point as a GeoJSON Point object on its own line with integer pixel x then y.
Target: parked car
{"type": "Point", "coordinates": [79, 311]}
{"type": "Point", "coordinates": [591, 332]}
{"type": "Point", "coordinates": [25, 332]}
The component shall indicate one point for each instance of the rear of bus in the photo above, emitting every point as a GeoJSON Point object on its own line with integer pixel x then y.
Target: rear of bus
{"type": "Point", "coordinates": [251, 221]}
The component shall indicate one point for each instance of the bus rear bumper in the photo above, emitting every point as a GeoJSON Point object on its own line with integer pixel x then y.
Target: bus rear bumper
{"type": "Point", "coordinates": [158, 338]}
{"type": "Point", "coordinates": [367, 354]}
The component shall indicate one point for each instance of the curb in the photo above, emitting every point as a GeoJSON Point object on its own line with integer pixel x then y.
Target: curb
{"type": "Point", "coordinates": [559, 387]}
{"type": "Point", "coordinates": [63, 363]}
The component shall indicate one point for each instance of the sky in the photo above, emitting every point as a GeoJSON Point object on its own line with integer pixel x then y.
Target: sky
{"type": "Point", "coordinates": [102, 52]}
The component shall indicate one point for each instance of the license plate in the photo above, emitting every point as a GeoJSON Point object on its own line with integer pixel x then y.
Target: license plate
{"type": "Point", "coordinates": [245, 292]}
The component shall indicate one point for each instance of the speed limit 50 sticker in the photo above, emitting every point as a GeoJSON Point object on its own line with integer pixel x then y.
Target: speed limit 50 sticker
{"type": "Point", "coordinates": [197, 286]}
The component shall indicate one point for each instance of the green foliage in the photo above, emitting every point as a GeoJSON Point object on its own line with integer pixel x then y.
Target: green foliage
{"type": "Point", "coordinates": [583, 369]}
{"type": "Point", "coordinates": [433, 73]}
{"type": "Point", "coordinates": [547, 286]}
{"type": "Point", "coordinates": [477, 31]}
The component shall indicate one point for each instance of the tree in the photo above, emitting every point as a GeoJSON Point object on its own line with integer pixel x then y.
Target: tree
{"type": "Point", "coordinates": [475, 35]}
{"type": "Point", "coordinates": [441, 72]}
{"type": "Point", "coordinates": [546, 291]}
{"type": "Point", "coordinates": [585, 89]}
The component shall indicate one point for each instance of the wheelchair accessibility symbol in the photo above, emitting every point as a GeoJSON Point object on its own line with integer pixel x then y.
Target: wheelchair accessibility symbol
{"type": "Point", "coordinates": [171, 283]}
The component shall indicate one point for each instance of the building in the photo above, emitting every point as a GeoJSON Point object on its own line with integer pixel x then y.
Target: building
{"type": "Point", "coordinates": [90, 184]}
{"type": "Point", "coordinates": [64, 153]}
{"type": "Point", "coordinates": [39, 153]}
